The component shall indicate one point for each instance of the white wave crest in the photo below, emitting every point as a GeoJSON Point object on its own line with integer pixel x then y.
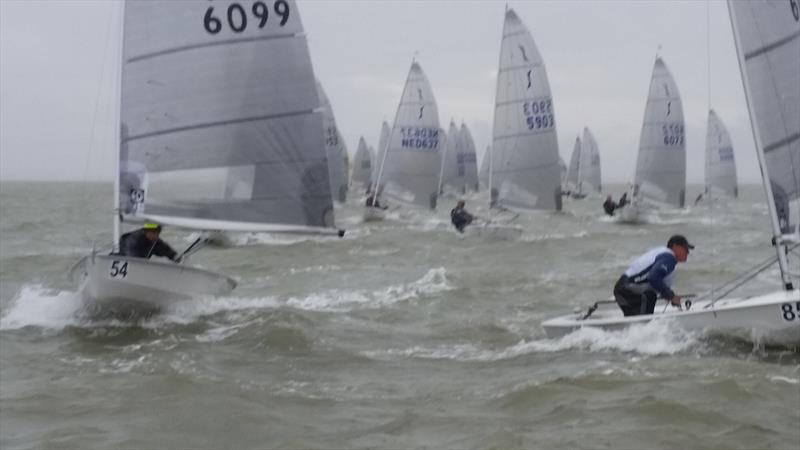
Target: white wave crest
{"type": "Point", "coordinates": [339, 300]}
{"type": "Point", "coordinates": [36, 305]}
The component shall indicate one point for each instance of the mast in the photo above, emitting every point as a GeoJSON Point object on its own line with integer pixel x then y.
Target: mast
{"type": "Point", "coordinates": [117, 135]}
{"type": "Point", "coordinates": [777, 235]}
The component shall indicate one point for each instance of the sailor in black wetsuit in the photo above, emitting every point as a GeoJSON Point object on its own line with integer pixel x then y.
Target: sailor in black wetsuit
{"type": "Point", "coordinates": [459, 217]}
{"type": "Point", "coordinates": [144, 243]}
{"type": "Point", "coordinates": [609, 206]}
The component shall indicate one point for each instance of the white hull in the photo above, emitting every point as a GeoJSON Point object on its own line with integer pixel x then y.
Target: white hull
{"type": "Point", "coordinates": [494, 231]}
{"type": "Point", "coordinates": [374, 214]}
{"type": "Point", "coordinates": [772, 319]}
{"type": "Point", "coordinates": [127, 284]}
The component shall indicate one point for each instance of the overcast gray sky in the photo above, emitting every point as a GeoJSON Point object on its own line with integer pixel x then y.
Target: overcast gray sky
{"type": "Point", "coordinates": [599, 57]}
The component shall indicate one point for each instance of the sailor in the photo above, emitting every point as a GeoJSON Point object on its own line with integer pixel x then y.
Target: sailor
{"type": "Point", "coordinates": [623, 200]}
{"type": "Point", "coordinates": [651, 275]}
{"type": "Point", "coordinates": [698, 199]}
{"type": "Point", "coordinates": [373, 202]}
{"type": "Point", "coordinates": [459, 217]}
{"type": "Point", "coordinates": [609, 206]}
{"type": "Point", "coordinates": [145, 242]}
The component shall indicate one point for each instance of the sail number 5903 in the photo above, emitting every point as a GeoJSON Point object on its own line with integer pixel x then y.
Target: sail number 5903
{"type": "Point", "coordinates": [791, 313]}
{"type": "Point", "coordinates": [237, 16]}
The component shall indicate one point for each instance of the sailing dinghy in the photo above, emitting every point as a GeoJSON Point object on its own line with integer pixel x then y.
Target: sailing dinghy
{"type": "Point", "coordinates": [720, 168]}
{"type": "Point", "coordinates": [338, 159]}
{"type": "Point", "coordinates": [362, 166]}
{"type": "Point", "coordinates": [524, 172]}
{"type": "Point", "coordinates": [410, 167]}
{"type": "Point", "coordinates": [660, 180]}
{"type": "Point", "coordinates": [248, 113]}
{"type": "Point", "coordinates": [767, 37]}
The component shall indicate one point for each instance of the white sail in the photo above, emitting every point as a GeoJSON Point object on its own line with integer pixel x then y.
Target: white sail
{"type": "Point", "coordinates": [720, 169]}
{"type": "Point", "coordinates": [469, 160]}
{"type": "Point", "coordinates": [362, 165]}
{"type": "Point", "coordinates": [767, 36]}
{"type": "Point", "coordinates": [454, 144]}
{"type": "Point", "coordinates": [590, 178]}
{"type": "Point", "coordinates": [410, 169]}
{"type": "Point", "coordinates": [768, 44]}
{"type": "Point", "coordinates": [525, 148]}
{"type": "Point", "coordinates": [335, 148]}
{"type": "Point", "coordinates": [573, 171]}
{"type": "Point", "coordinates": [485, 162]}
{"type": "Point", "coordinates": [661, 163]}
{"type": "Point", "coordinates": [210, 94]}
{"type": "Point", "coordinates": [382, 141]}
{"type": "Point", "coordinates": [563, 167]}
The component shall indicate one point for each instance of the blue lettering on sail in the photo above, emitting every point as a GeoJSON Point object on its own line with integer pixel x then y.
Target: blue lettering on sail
{"type": "Point", "coordinates": [726, 153]}
{"type": "Point", "coordinates": [419, 139]}
{"type": "Point", "coordinates": [539, 114]}
{"type": "Point", "coordinates": [673, 134]}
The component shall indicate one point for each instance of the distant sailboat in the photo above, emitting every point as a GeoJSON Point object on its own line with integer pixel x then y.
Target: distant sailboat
{"type": "Point", "coordinates": [661, 164]}
{"type": "Point", "coordinates": [525, 158]}
{"type": "Point", "coordinates": [720, 169]}
{"type": "Point", "coordinates": [573, 172]}
{"type": "Point", "coordinates": [459, 167]}
{"type": "Point", "coordinates": [362, 165]}
{"type": "Point", "coordinates": [335, 148]}
{"type": "Point", "coordinates": [184, 138]}
{"type": "Point", "coordinates": [485, 163]}
{"type": "Point", "coordinates": [410, 169]}
{"type": "Point", "coordinates": [590, 179]}
{"type": "Point", "coordinates": [469, 161]}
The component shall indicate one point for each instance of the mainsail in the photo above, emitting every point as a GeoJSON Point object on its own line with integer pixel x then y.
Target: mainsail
{"type": "Point", "coordinates": [469, 160]}
{"type": "Point", "coordinates": [720, 169]}
{"type": "Point", "coordinates": [410, 169]}
{"type": "Point", "coordinates": [590, 176]}
{"type": "Point", "coordinates": [574, 166]}
{"type": "Point", "coordinates": [485, 163]}
{"type": "Point", "coordinates": [362, 165]}
{"type": "Point", "coordinates": [214, 92]}
{"type": "Point", "coordinates": [661, 164]}
{"type": "Point", "coordinates": [525, 157]}
{"type": "Point", "coordinates": [767, 36]}
{"type": "Point", "coordinates": [382, 141]}
{"type": "Point", "coordinates": [452, 177]}
{"type": "Point", "coordinates": [335, 148]}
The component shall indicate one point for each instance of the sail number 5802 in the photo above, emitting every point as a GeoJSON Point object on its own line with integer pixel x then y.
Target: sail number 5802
{"type": "Point", "coordinates": [791, 313]}
{"type": "Point", "coordinates": [237, 16]}
{"type": "Point", "coordinates": [119, 269]}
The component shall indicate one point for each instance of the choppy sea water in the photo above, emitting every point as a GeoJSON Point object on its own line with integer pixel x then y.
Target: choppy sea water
{"type": "Point", "coordinates": [401, 335]}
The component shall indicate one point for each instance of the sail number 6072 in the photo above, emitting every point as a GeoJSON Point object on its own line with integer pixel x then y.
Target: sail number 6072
{"type": "Point", "coordinates": [237, 16]}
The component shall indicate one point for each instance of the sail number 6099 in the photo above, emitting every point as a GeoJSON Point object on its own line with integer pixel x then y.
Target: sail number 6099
{"type": "Point", "coordinates": [237, 16]}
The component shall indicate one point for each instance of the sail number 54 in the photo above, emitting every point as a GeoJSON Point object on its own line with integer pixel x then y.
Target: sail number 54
{"type": "Point", "coordinates": [791, 313]}
{"type": "Point", "coordinates": [119, 269]}
{"type": "Point", "coordinates": [237, 16]}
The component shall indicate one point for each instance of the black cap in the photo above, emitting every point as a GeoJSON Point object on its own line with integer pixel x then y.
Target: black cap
{"type": "Point", "coordinates": [680, 239]}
